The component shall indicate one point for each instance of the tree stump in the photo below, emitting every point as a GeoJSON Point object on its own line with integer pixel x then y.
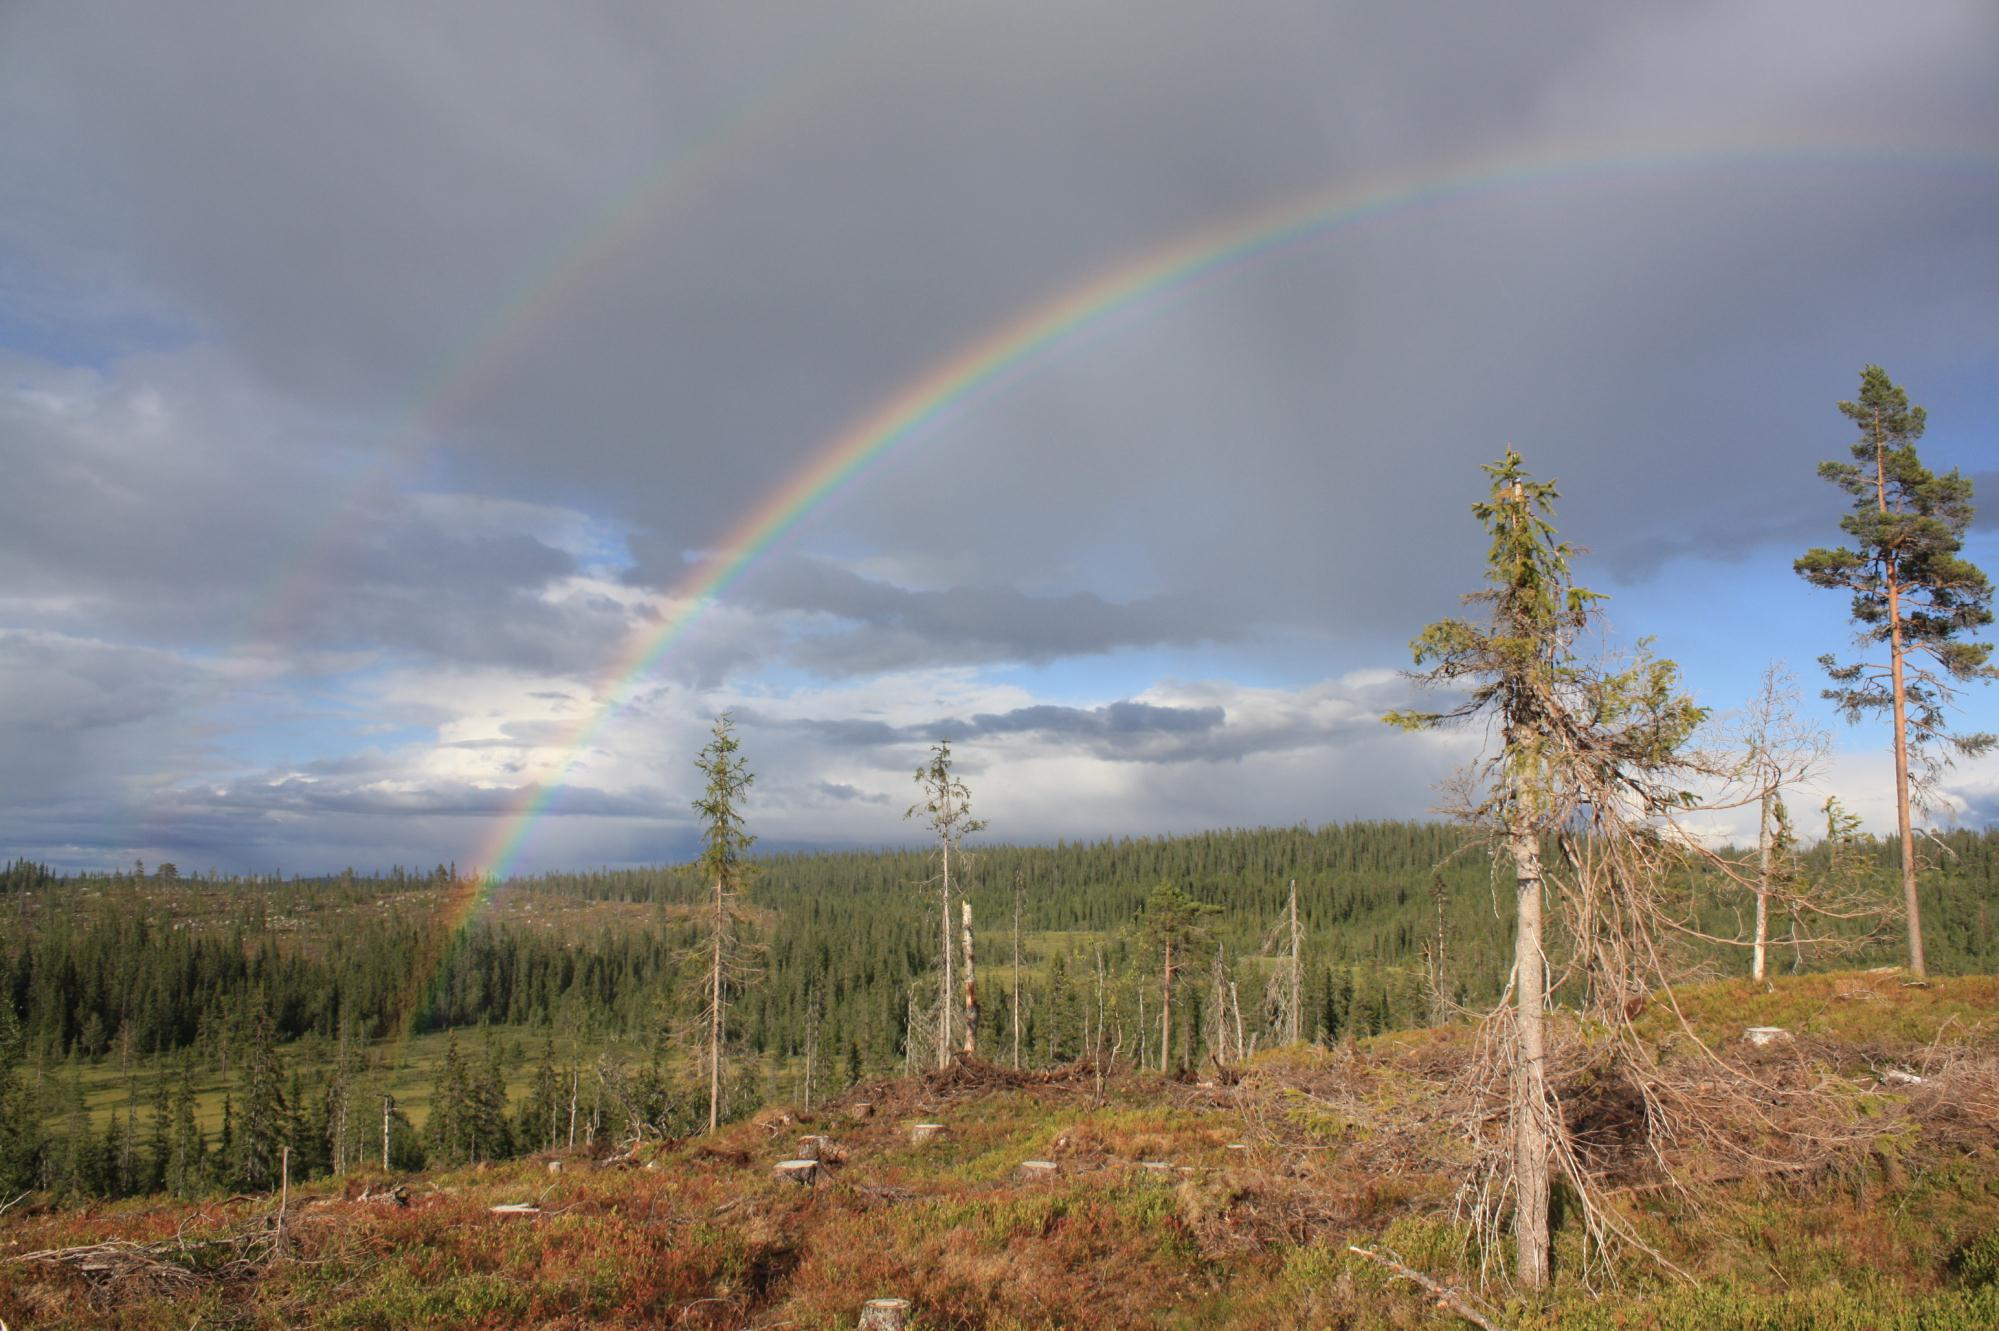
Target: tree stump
{"type": "Point", "coordinates": [1037, 1169]}
{"type": "Point", "coordinates": [884, 1315]}
{"type": "Point", "coordinates": [862, 1109]}
{"type": "Point", "coordinates": [1762, 1035]}
{"type": "Point", "coordinates": [555, 1166]}
{"type": "Point", "coordinates": [812, 1148]}
{"type": "Point", "coordinates": [804, 1172]}
{"type": "Point", "coordinates": [920, 1133]}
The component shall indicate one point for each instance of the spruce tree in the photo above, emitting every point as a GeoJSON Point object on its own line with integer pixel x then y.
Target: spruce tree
{"type": "Point", "coordinates": [264, 1124]}
{"type": "Point", "coordinates": [947, 806]}
{"type": "Point", "coordinates": [445, 1132]}
{"type": "Point", "coordinates": [187, 1166]}
{"type": "Point", "coordinates": [20, 1122]}
{"type": "Point", "coordinates": [1581, 747]}
{"type": "Point", "coordinates": [160, 1142]}
{"type": "Point", "coordinates": [723, 867]}
{"type": "Point", "coordinates": [1915, 597]}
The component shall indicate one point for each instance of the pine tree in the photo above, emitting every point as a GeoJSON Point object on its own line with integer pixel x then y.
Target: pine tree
{"type": "Point", "coordinates": [1171, 926]}
{"type": "Point", "coordinates": [1914, 596]}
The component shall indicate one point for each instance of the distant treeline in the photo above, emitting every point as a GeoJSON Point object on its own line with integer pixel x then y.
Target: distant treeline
{"type": "Point", "coordinates": [96, 964]}
{"type": "Point", "coordinates": [850, 935]}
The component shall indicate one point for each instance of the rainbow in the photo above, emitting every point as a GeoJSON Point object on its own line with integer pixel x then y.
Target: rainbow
{"type": "Point", "coordinates": [1039, 331]}
{"type": "Point", "coordinates": [615, 229]}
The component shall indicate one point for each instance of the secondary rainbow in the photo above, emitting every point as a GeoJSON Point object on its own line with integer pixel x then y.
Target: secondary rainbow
{"type": "Point", "coordinates": [611, 236]}
{"type": "Point", "coordinates": [1160, 271]}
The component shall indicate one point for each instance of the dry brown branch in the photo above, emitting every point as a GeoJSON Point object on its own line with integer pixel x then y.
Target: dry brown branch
{"type": "Point", "coordinates": [1446, 1296]}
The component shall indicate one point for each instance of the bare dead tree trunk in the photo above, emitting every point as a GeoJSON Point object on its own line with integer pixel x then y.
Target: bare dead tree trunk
{"type": "Point", "coordinates": [388, 1106]}
{"type": "Point", "coordinates": [1765, 857]}
{"type": "Point", "coordinates": [811, 1043]}
{"type": "Point", "coordinates": [1017, 884]}
{"type": "Point", "coordinates": [1440, 1001]}
{"type": "Point", "coordinates": [1295, 1007]}
{"type": "Point", "coordinates": [971, 985]}
{"type": "Point", "coordinates": [1100, 1014]}
{"type": "Point", "coordinates": [575, 1081]}
{"type": "Point", "coordinates": [1142, 1028]}
{"type": "Point", "coordinates": [1219, 998]}
{"type": "Point", "coordinates": [1530, 1092]}
{"type": "Point", "coordinates": [1166, 1008]}
{"type": "Point", "coordinates": [945, 998]}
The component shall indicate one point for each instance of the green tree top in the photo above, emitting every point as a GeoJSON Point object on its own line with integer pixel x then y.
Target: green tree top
{"type": "Point", "coordinates": [1173, 920]}
{"type": "Point", "coordinates": [725, 845]}
{"type": "Point", "coordinates": [1913, 591]}
{"type": "Point", "coordinates": [947, 802]}
{"type": "Point", "coordinates": [1566, 721]}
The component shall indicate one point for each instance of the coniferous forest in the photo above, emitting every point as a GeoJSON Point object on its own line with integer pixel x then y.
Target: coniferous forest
{"type": "Point", "coordinates": [292, 995]}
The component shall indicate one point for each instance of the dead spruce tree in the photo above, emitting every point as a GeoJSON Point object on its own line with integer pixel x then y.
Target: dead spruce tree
{"type": "Point", "coordinates": [947, 807]}
{"type": "Point", "coordinates": [1284, 989]}
{"type": "Point", "coordinates": [1589, 757]}
{"type": "Point", "coordinates": [1777, 749]}
{"type": "Point", "coordinates": [1914, 597]}
{"type": "Point", "coordinates": [724, 867]}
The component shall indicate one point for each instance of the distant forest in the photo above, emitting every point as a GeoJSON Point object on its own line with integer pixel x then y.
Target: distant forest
{"type": "Point", "coordinates": [208, 973]}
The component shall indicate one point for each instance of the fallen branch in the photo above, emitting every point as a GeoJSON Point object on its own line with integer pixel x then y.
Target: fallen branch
{"type": "Point", "coordinates": [1447, 1297]}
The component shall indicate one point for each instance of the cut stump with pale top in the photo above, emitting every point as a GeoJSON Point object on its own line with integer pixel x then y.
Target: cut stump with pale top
{"type": "Point", "coordinates": [798, 1171]}
{"type": "Point", "coordinates": [885, 1315]}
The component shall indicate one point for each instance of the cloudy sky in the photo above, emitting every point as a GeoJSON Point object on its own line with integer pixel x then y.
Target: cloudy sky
{"type": "Point", "coordinates": [372, 377]}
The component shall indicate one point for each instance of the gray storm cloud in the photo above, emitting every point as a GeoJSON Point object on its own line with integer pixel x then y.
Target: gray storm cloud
{"type": "Point", "coordinates": [364, 336]}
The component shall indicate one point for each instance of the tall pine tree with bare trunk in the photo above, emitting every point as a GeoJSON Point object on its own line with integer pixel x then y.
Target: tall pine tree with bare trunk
{"type": "Point", "coordinates": [1914, 599]}
{"type": "Point", "coordinates": [1172, 925]}
{"type": "Point", "coordinates": [946, 806]}
{"type": "Point", "coordinates": [724, 867]}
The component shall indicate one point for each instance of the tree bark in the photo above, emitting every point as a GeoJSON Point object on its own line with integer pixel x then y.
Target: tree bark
{"type": "Point", "coordinates": [1530, 1091]}
{"type": "Point", "coordinates": [1016, 970]}
{"type": "Point", "coordinates": [811, 1044]}
{"type": "Point", "coordinates": [1900, 689]}
{"type": "Point", "coordinates": [715, 1016]}
{"type": "Point", "coordinates": [945, 998]}
{"type": "Point", "coordinates": [971, 986]}
{"type": "Point", "coordinates": [1756, 955]}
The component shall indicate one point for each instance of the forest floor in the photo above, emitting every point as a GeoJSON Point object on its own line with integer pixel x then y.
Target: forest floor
{"type": "Point", "coordinates": [1844, 1176]}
